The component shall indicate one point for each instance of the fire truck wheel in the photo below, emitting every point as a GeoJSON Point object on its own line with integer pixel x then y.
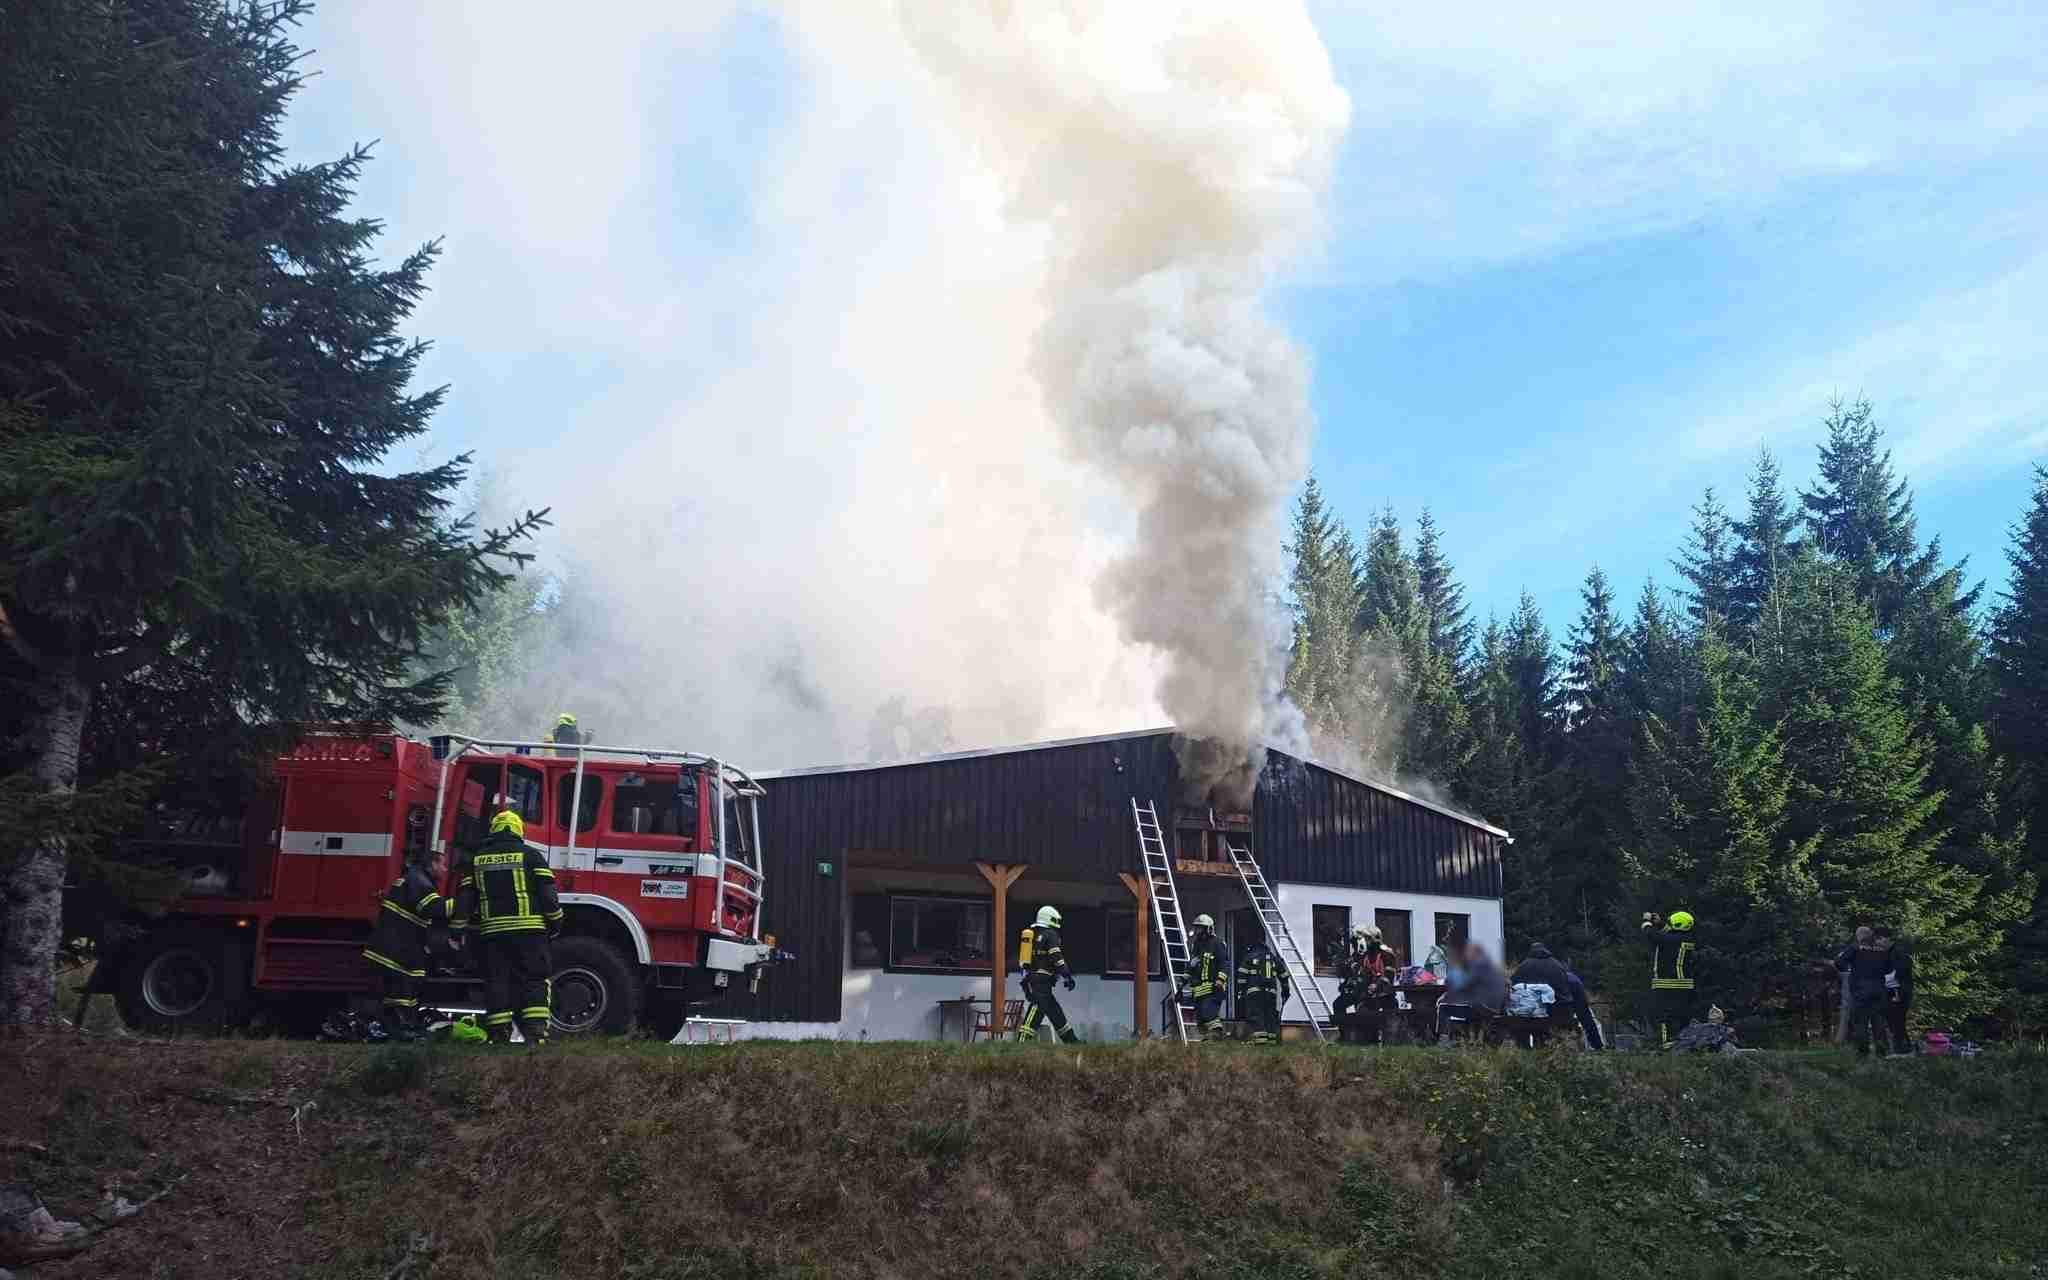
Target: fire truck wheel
{"type": "Point", "coordinates": [596, 991]}
{"type": "Point", "coordinates": [184, 978]}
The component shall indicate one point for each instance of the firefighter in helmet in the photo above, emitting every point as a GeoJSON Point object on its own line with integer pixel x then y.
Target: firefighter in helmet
{"type": "Point", "coordinates": [1042, 963]}
{"type": "Point", "coordinates": [1671, 971]}
{"type": "Point", "coordinates": [564, 734]}
{"type": "Point", "coordinates": [411, 909]}
{"type": "Point", "coordinates": [507, 904]}
{"type": "Point", "coordinates": [1208, 976]}
{"type": "Point", "coordinates": [1262, 991]}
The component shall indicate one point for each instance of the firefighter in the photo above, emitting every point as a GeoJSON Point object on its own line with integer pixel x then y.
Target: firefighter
{"type": "Point", "coordinates": [1043, 963]}
{"type": "Point", "coordinates": [1262, 991]}
{"type": "Point", "coordinates": [507, 904]}
{"type": "Point", "coordinates": [564, 734]}
{"type": "Point", "coordinates": [412, 909]}
{"type": "Point", "coordinates": [1671, 971]}
{"type": "Point", "coordinates": [1208, 976]}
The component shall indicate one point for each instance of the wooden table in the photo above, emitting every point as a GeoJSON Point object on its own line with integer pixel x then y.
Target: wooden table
{"type": "Point", "coordinates": [1422, 1002]}
{"type": "Point", "coordinates": [965, 1006]}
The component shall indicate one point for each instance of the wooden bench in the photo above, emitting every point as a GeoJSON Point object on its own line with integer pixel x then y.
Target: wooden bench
{"type": "Point", "coordinates": [1529, 1033]}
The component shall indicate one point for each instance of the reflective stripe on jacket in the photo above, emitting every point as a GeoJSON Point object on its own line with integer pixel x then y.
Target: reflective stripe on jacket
{"type": "Point", "coordinates": [411, 906]}
{"type": "Point", "coordinates": [1208, 969]}
{"type": "Point", "coordinates": [507, 887]}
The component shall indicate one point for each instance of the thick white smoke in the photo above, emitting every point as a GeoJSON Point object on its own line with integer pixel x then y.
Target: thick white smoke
{"type": "Point", "coordinates": [1001, 434]}
{"type": "Point", "coordinates": [1175, 155]}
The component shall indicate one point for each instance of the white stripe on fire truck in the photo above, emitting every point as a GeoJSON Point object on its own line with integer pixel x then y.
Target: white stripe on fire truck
{"type": "Point", "coordinates": [337, 844]}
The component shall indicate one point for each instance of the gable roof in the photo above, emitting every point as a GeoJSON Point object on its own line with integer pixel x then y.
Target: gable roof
{"type": "Point", "coordinates": [1130, 735]}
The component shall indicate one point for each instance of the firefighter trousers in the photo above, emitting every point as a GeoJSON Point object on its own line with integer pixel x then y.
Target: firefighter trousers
{"type": "Point", "coordinates": [1672, 1009]}
{"type": "Point", "coordinates": [1209, 1015]}
{"type": "Point", "coordinates": [516, 985]}
{"type": "Point", "coordinates": [401, 999]}
{"type": "Point", "coordinates": [1262, 1010]}
{"type": "Point", "coordinates": [1042, 1007]}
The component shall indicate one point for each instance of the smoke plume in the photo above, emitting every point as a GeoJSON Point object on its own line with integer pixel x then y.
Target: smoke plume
{"type": "Point", "coordinates": [1174, 155]}
{"type": "Point", "coordinates": [988, 435]}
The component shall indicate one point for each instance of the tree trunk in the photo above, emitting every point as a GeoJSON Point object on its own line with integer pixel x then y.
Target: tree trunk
{"type": "Point", "coordinates": [33, 923]}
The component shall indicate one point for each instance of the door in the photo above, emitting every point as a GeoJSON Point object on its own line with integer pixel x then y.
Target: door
{"type": "Point", "coordinates": [1241, 928]}
{"type": "Point", "coordinates": [647, 845]}
{"type": "Point", "coordinates": [485, 788]}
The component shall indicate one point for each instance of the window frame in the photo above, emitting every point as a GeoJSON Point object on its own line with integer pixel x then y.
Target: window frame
{"type": "Point", "coordinates": [586, 812]}
{"type": "Point", "coordinates": [1317, 965]}
{"type": "Point", "coordinates": [967, 901]}
{"type": "Point", "coordinates": [1407, 948]}
{"type": "Point", "coordinates": [1155, 955]}
{"type": "Point", "coordinates": [1463, 922]}
{"type": "Point", "coordinates": [652, 782]}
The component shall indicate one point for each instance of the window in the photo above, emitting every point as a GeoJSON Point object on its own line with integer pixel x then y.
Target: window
{"type": "Point", "coordinates": [1120, 946]}
{"type": "Point", "coordinates": [1393, 927]}
{"type": "Point", "coordinates": [739, 825]}
{"type": "Point", "coordinates": [938, 933]}
{"type": "Point", "coordinates": [1451, 925]}
{"type": "Point", "coordinates": [1332, 927]}
{"type": "Point", "coordinates": [652, 806]}
{"type": "Point", "coordinates": [484, 792]}
{"type": "Point", "coordinates": [585, 809]}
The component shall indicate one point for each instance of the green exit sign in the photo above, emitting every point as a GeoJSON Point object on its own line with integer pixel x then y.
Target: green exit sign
{"type": "Point", "coordinates": [824, 868]}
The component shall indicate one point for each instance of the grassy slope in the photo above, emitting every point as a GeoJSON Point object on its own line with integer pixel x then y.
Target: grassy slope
{"type": "Point", "coordinates": [916, 1160]}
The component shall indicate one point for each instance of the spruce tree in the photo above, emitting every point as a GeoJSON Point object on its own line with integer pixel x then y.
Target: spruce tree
{"type": "Point", "coordinates": [1709, 803]}
{"type": "Point", "coordinates": [1502, 782]}
{"type": "Point", "coordinates": [1591, 775]}
{"type": "Point", "coordinates": [1440, 597]}
{"type": "Point", "coordinates": [1862, 783]}
{"type": "Point", "coordinates": [201, 372]}
{"type": "Point", "coordinates": [1708, 563]}
{"type": "Point", "coordinates": [1860, 514]}
{"type": "Point", "coordinates": [1533, 666]}
{"type": "Point", "coordinates": [1765, 539]}
{"type": "Point", "coordinates": [2019, 726]}
{"type": "Point", "coordinates": [1388, 587]}
{"type": "Point", "coordinates": [1323, 595]}
{"type": "Point", "coordinates": [1657, 674]}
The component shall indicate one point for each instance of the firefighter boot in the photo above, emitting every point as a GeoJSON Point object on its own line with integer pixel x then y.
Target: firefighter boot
{"type": "Point", "coordinates": [1068, 1035]}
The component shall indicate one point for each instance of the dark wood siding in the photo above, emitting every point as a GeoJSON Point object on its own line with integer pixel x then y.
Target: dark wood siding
{"type": "Point", "coordinates": [1066, 810]}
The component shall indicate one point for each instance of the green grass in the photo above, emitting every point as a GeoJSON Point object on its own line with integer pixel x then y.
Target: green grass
{"type": "Point", "coordinates": [1149, 1161]}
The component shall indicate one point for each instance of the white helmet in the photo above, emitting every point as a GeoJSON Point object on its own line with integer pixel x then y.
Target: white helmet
{"type": "Point", "coordinates": [1205, 921]}
{"type": "Point", "coordinates": [1048, 917]}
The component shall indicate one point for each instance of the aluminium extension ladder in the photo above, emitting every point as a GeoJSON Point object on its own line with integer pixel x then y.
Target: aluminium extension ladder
{"type": "Point", "coordinates": [1173, 935]}
{"type": "Point", "coordinates": [1301, 976]}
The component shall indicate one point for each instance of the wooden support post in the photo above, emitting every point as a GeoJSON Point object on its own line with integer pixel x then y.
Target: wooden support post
{"type": "Point", "coordinates": [1000, 877]}
{"type": "Point", "coordinates": [1141, 991]}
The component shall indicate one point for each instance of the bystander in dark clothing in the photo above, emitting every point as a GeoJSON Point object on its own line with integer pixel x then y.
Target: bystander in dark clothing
{"type": "Point", "coordinates": [1582, 1009]}
{"type": "Point", "coordinates": [1867, 963]}
{"type": "Point", "coordinates": [1541, 966]}
{"type": "Point", "coordinates": [1476, 995]}
{"type": "Point", "coordinates": [1898, 983]}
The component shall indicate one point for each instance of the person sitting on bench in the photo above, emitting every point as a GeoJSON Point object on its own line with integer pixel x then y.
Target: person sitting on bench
{"type": "Point", "coordinates": [1475, 995]}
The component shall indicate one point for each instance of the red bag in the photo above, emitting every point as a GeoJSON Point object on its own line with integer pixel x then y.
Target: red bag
{"type": "Point", "coordinates": [1937, 1043]}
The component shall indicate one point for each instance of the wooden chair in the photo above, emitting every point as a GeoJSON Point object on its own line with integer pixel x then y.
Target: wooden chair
{"type": "Point", "coordinates": [1012, 1017]}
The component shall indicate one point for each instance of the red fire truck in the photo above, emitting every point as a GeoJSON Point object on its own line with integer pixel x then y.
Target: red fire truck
{"type": "Point", "coordinates": [657, 857]}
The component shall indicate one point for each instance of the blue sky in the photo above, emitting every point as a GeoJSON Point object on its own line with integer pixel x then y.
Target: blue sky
{"type": "Point", "coordinates": [1581, 262]}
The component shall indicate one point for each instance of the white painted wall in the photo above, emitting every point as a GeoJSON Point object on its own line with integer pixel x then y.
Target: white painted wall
{"type": "Point", "coordinates": [879, 1005]}
{"type": "Point", "coordinates": [1297, 899]}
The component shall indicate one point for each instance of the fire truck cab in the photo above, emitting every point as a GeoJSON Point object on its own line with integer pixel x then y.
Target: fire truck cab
{"type": "Point", "coordinates": [656, 856]}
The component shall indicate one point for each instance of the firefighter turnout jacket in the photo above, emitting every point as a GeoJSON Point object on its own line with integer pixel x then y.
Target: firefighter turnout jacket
{"type": "Point", "coordinates": [1671, 963]}
{"type": "Point", "coordinates": [1259, 974]}
{"type": "Point", "coordinates": [507, 887]}
{"type": "Point", "coordinates": [412, 906]}
{"type": "Point", "coordinates": [1040, 954]}
{"type": "Point", "coordinates": [1208, 969]}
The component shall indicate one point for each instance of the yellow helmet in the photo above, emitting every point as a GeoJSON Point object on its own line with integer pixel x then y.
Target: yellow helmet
{"type": "Point", "coordinates": [509, 820]}
{"type": "Point", "coordinates": [565, 718]}
{"type": "Point", "coordinates": [1681, 920]}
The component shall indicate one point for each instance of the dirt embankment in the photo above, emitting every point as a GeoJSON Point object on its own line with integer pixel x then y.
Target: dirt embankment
{"type": "Point", "coordinates": [1119, 1161]}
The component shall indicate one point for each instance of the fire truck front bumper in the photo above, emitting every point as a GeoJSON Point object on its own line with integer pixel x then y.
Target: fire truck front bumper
{"type": "Point", "coordinates": [740, 957]}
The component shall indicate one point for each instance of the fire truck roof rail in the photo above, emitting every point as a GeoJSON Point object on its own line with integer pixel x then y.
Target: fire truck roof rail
{"type": "Point", "coordinates": [442, 745]}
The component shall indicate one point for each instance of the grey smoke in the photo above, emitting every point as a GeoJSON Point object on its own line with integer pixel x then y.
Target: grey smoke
{"type": "Point", "coordinates": [1175, 155]}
